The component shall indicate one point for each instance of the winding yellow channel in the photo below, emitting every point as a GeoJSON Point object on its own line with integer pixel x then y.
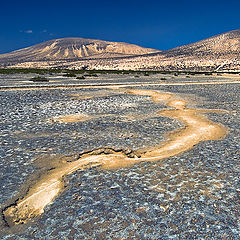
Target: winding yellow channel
{"type": "Point", "coordinates": [196, 128]}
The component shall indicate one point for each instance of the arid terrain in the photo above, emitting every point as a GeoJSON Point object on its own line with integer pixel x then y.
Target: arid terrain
{"type": "Point", "coordinates": [120, 156]}
{"type": "Point", "coordinates": [218, 53]}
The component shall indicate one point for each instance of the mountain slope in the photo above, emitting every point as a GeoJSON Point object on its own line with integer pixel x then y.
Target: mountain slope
{"type": "Point", "coordinates": [74, 48]}
{"type": "Point", "coordinates": [220, 45]}
{"type": "Point", "coordinates": [217, 53]}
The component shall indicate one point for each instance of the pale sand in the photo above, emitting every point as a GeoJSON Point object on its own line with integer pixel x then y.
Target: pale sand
{"type": "Point", "coordinates": [70, 118]}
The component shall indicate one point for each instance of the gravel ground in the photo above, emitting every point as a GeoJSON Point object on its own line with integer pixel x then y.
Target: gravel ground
{"type": "Point", "coordinates": [191, 196]}
{"type": "Point", "coordinates": [15, 80]}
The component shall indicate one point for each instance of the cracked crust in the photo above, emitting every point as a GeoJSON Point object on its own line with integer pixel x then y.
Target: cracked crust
{"type": "Point", "coordinates": [50, 183]}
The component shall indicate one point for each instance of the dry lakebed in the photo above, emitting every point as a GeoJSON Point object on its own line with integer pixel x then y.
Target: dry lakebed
{"type": "Point", "coordinates": [120, 158]}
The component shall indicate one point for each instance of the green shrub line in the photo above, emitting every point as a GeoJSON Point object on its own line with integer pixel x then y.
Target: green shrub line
{"type": "Point", "coordinates": [93, 73]}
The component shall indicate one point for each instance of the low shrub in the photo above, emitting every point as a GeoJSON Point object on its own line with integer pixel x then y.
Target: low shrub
{"type": "Point", "coordinates": [81, 77]}
{"type": "Point", "coordinates": [39, 79]}
{"type": "Point", "coordinates": [69, 75]}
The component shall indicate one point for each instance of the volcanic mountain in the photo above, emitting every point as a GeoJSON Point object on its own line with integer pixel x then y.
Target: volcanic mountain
{"type": "Point", "coordinates": [217, 53]}
{"type": "Point", "coordinates": [74, 48]}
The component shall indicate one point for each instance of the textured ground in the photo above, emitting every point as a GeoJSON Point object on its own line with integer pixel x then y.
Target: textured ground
{"type": "Point", "coordinates": [191, 196]}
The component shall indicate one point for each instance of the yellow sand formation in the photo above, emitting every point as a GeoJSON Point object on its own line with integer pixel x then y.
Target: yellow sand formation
{"type": "Point", "coordinates": [196, 128]}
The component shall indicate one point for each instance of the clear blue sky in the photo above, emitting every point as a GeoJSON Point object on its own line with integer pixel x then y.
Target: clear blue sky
{"type": "Point", "coordinates": [157, 24]}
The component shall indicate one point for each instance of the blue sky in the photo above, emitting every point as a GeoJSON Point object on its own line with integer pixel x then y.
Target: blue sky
{"type": "Point", "coordinates": [157, 24]}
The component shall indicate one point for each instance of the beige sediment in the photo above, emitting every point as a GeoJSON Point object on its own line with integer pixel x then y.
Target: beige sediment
{"type": "Point", "coordinates": [196, 128]}
{"type": "Point", "coordinates": [156, 96]}
{"type": "Point", "coordinates": [70, 118]}
{"type": "Point", "coordinates": [79, 96]}
{"type": "Point", "coordinates": [51, 185]}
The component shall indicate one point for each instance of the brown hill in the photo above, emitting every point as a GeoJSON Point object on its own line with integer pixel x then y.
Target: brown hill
{"type": "Point", "coordinates": [220, 45]}
{"type": "Point", "coordinates": [217, 53]}
{"type": "Point", "coordinates": [74, 48]}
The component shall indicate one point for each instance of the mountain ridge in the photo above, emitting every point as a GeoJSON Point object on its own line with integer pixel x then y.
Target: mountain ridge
{"type": "Point", "coordinates": [75, 48]}
{"type": "Point", "coordinates": [217, 39]}
{"type": "Point", "coordinates": [219, 52]}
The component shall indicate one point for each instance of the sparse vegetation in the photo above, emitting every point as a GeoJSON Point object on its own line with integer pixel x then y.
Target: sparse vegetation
{"type": "Point", "coordinates": [39, 79]}
{"type": "Point", "coordinates": [29, 70]}
{"type": "Point", "coordinates": [70, 74]}
{"type": "Point", "coordinates": [80, 77]}
{"type": "Point", "coordinates": [93, 73]}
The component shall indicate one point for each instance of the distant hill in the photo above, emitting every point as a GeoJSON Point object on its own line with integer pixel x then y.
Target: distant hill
{"type": "Point", "coordinates": [217, 53]}
{"type": "Point", "coordinates": [74, 48]}
{"type": "Point", "coordinates": [220, 45]}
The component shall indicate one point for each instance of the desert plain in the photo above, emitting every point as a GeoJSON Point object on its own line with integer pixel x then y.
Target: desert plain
{"type": "Point", "coordinates": [120, 156]}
